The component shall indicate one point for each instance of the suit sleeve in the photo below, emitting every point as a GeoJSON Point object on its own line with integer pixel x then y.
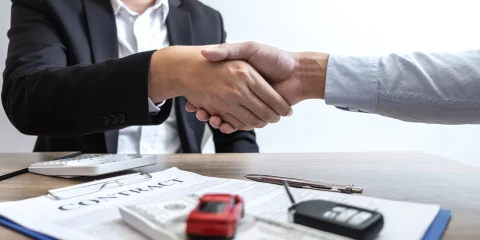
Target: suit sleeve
{"type": "Point", "coordinates": [239, 141]}
{"type": "Point", "coordinates": [42, 95]}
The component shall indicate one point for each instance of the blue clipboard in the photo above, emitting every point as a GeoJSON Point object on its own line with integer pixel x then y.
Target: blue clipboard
{"type": "Point", "coordinates": [23, 230]}
{"type": "Point", "coordinates": [438, 226]}
{"type": "Point", "coordinates": [434, 232]}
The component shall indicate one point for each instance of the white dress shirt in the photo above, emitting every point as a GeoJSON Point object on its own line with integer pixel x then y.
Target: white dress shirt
{"type": "Point", "coordinates": [139, 33]}
{"type": "Point", "coordinates": [438, 88]}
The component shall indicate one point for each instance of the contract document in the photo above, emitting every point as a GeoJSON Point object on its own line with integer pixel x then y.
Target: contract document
{"type": "Point", "coordinates": [96, 215]}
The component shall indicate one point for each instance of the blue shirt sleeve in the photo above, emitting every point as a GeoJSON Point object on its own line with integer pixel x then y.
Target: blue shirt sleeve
{"type": "Point", "coordinates": [437, 88]}
{"type": "Point", "coordinates": [352, 83]}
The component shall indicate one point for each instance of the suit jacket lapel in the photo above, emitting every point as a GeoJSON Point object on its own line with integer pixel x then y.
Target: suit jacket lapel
{"type": "Point", "coordinates": [102, 29]}
{"type": "Point", "coordinates": [104, 42]}
{"type": "Point", "coordinates": [102, 32]}
{"type": "Point", "coordinates": [179, 25]}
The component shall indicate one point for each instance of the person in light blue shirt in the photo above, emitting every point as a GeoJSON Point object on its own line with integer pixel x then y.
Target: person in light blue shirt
{"type": "Point", "coordinates": [436, 88]}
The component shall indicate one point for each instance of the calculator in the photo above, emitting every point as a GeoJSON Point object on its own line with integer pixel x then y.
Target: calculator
{"type": "Point", "coordinates": [91, 165]}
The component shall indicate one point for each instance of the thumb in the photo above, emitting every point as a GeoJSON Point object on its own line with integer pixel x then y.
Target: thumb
{"type": "Point", "coordinates": [230, 51]}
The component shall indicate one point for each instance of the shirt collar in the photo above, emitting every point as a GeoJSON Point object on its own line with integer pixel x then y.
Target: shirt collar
{"type": "Point", "coordinates": [118, 4]}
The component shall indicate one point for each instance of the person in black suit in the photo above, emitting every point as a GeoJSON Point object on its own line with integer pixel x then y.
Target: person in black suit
{"type": "Point", "coordinates": [69, 81]}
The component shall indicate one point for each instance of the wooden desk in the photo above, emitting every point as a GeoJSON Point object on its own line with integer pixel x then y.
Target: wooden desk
{"type": "Point", "coordinates": [413, 177]}
{"type": "Point", "coordinates": [11, 162]}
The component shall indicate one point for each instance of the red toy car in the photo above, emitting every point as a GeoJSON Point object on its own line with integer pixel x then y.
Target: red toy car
{"type": "Point", "coordinates": [215, 217]}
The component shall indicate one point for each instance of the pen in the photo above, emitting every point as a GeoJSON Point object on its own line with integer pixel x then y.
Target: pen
{"type": "Point", "coordinates": [301, 183]}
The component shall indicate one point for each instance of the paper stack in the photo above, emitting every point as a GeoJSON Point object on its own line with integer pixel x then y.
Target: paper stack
{"type": "Point", "coordinates": [96, 215]}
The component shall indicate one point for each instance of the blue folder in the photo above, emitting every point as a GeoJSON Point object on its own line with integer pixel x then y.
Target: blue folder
{"type": "Point", "coordinates": [438, 226]}
{"type": "Point", "coordinates": [23, 230]}
{"type": "Point", "coordinates": [434, 232]}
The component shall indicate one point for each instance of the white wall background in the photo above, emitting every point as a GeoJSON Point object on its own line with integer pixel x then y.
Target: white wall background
{"type": "Point", "coordinates": [10, 139]}
{"type": "Point", "coordinates": [337, 27]}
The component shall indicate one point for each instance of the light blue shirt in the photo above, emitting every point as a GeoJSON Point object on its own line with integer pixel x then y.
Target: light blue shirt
{"type": "Point", "coordinates": [438, 88]}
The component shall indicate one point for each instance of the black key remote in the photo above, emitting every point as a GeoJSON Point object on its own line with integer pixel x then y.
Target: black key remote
{"type": "Point", "coordinates": [341, 219]}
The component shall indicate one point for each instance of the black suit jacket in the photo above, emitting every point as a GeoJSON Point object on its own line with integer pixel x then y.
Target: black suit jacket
{"type": "Point", "coordinates": [64, 82]}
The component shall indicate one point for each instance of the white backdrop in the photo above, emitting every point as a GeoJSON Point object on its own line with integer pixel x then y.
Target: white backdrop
{"type": "Point", "coordinates": [10, 139]}
{"type": "Point", "coordinates": [338, 27]}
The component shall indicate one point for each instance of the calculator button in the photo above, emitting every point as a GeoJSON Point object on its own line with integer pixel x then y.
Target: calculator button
{"type": "Point", "coordinates": [360, 218]}
{"type": "Point", "coordinates": [344, 216]}
{"type": "Point", "coordinates": [329, 215]}
{"type": "Point", "coordinates": [339, 209]}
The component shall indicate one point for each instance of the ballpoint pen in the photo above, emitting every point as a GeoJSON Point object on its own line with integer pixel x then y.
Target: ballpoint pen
{"type": "Point", "coordinates": [308, 184]}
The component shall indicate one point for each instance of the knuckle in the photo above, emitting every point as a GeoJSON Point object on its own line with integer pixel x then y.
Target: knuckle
{"type": "Point", "coordinates": [246, 128]}
{"type": "Point", "coordinates": [234, 94]}
{"type": "Point", "coordinates": [251, 44]}
{"type": "Point", "coordinates": [266, 116]}
{"type": "Point", "coordinates": [249, 123]}
{"type": "Point", "coordinates": [275, 118]}
{"type": "Point", "coordinates": [286, 111]}
{"type": "Point", "coordinates": [238, 125]}
{"type": "Point", "coordinates": [256, 123]}
{"type": "Point", "coordinates": [235, 64]}
{"type": "Point", "coordinates": [240, 72]}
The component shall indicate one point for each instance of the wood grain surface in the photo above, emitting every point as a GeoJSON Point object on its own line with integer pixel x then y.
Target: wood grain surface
{"type": "Point", "coordinates": [11, 162]}
{"type": "Point", "coordinates": [405, 176]}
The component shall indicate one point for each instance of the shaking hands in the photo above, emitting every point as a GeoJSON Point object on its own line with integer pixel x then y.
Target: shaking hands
{"type": "Point", "coordinates": [294, 76]}
{"type": "Point", "coordinates": [230, 90]}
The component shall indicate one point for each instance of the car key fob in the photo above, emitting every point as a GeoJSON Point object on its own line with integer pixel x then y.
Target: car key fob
{"type": "Point", "coordinates": [341, 219]}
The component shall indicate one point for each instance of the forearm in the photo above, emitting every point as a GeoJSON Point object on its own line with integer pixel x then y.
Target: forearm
{"type": "Point", "coordinates": [77, 100]}
{"type": "Point", "coordinates": [441, 88]}
{"type": "Point", "coordinates": [416, 87]}
{"type": "Point", "coordinates": [46, 92]}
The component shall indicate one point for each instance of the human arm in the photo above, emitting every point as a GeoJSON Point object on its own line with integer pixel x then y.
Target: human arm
{"type": "Point", "coordinates": [45, 94]}
{"type": "Point", "coordinates": [436, 88]}
{"type": "Point", "coordinates": [42, 95]}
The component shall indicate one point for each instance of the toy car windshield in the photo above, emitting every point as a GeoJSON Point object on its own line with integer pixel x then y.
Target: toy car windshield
{"type": "Point", "coordinates": [212, 207]}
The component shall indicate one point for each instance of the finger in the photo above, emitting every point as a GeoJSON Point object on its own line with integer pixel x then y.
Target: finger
{"type": "Point", "coordinates": [239, 51]}
{"type": "Point", "coordinates": [245, 116]}
{"type": "Point", "coordinates": [215, 122]}
{"type": "Point", "coordinates": [227, 128]}
{"type": "Point", "coordinates": [202, 115]}
{"type": "Point", "coordinates": [269, 96]}
{"type": "Point", "coordinates": [260, 108]}
{"type": "Point", "coordinates": [224, 127]}
{"type": "Point", "coordinates": [190, 107]}
{"type": "Point", "coordinates": [233, 121]}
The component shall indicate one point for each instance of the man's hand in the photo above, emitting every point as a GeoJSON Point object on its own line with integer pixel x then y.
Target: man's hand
{"type": "Point", "coordinates": [231, 90]}
{"type": "Point", "coordinates": [295, 76]}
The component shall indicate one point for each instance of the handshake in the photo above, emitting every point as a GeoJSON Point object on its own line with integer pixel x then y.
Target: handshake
{"type": "Point", "coordinates": [238, 86]}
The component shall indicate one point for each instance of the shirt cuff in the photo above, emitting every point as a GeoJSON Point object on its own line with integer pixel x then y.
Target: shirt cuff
{"type": "Point", "coordinates": [154, 108]}
{"type": "Point", "coordinates": [352, 83]}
